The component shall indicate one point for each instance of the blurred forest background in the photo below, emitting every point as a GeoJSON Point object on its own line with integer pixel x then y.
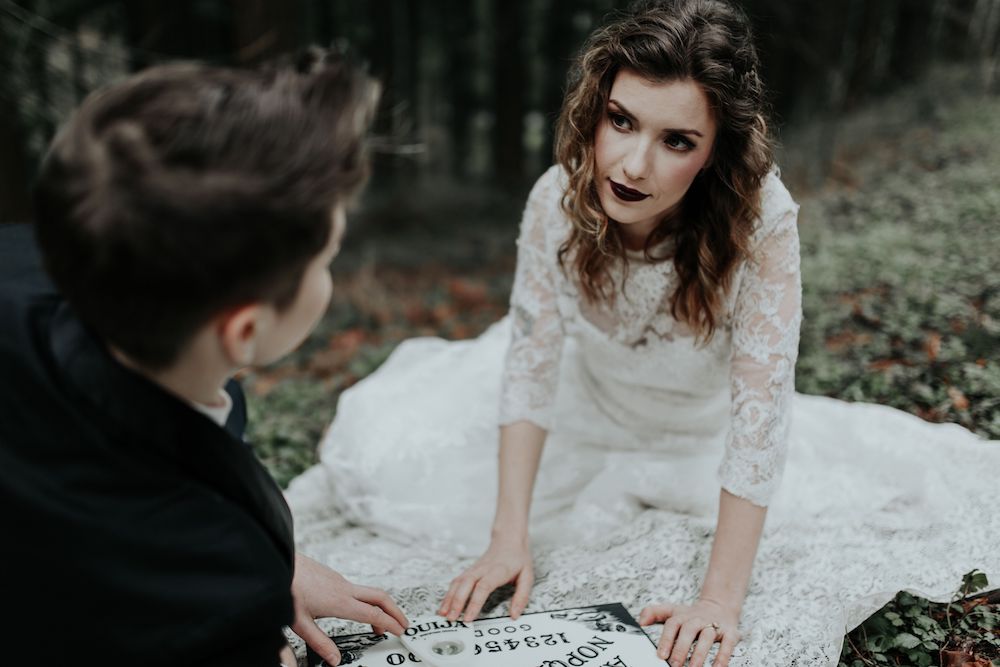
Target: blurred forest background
{"type": "Point", "coordinates": [888, 114]}
{"type": "Point", "coordinates": [472, 87]}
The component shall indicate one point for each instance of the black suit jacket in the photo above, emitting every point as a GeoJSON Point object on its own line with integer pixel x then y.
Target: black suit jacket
{"type": "Point", "coordinates": [136, 531]}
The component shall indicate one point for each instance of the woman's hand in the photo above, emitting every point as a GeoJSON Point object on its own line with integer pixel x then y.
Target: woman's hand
{"type": "Point", "coordinates": [696, 626]}
{"type": "Point", "coordinates": [508, 557]}
{"type": "Point", "coordinates": [319, 592]}
{"type": "Point", "coordinates": [505, 561]}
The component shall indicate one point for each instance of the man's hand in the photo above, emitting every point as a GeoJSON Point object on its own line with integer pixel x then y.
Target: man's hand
{"type": "Point", "coordinates": [319, 592]}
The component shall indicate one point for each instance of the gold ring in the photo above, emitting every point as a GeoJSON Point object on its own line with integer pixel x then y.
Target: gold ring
{"type": "Point", "coordinates": [714, 626]}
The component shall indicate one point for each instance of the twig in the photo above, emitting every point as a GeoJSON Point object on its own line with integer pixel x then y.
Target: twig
{"type": "Point", "coordinates": [857, 651]}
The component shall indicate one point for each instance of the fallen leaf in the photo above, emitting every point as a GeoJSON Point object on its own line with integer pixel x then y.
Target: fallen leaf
{"type": "Point", "coordinates": [932, 345]}
{"type": "Point", "coordinates": [415, 313]}
{"type": "Point", "coordinates": [349, 340]}
{"type": "Point", "coordinates": [886, 364]}
{"type": "Point", "coordinates": [443, 312]}
{"type": "Point", "coordinates": [265, 381]}
{"type": "Point", "coordinates": [846, 340]}
{"type": "Point", "coordinates": [326, 363]}
{"type": "Point", "coordinates": [460, 331]}
{"type": "Point", "coordinates": [958, 399]}
{"type": "Point", "coordinates": [929, 414]}
{"type": "Point", "coordinates": [341, 348]}
{"type": "Point", "coordinates": [467, 293]}
{"type": "Point", "coordinates": [962, 659]}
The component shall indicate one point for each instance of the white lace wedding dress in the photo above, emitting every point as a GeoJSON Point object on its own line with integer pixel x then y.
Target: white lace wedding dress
{"type": "Point", "coordinates": [644, 426]}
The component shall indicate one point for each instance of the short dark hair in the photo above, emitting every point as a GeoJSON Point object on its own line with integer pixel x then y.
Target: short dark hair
{"type": "Point", "coordinates": [189, 189]}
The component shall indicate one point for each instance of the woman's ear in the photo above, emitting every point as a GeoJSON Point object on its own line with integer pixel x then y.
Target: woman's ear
{"type": "Point", "coordinates": [238, 332]}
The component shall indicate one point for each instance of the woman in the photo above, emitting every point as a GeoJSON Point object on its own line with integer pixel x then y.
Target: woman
{"type": "Point", "coordinates": [673, 260]}
{"type": "Point", "coordinates": [653, 333]}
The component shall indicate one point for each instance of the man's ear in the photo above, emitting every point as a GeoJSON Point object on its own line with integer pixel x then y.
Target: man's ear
{"type": "Point", "coordinates": [238, 333]}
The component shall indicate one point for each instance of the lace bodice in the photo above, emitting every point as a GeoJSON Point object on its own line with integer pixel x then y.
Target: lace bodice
{"type": "Point", "coordinates": [640, 355]}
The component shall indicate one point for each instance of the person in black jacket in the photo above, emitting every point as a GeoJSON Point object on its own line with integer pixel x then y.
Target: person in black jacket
{"type": "Point", "coordinates": [185, 219]}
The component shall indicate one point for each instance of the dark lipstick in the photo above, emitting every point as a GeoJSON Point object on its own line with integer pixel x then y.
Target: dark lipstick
{"type": "Point", "coordinates": [626, 194]}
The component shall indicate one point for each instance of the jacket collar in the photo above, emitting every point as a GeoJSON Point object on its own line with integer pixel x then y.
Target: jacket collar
{"type": "Point", "coordinates": [162, 426]}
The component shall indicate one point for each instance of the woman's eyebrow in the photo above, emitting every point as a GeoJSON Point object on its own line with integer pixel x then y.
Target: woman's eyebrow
{"type": "Point", "coordinates": [669, 130]}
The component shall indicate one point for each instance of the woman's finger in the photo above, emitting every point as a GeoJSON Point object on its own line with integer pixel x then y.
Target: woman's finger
{"type": "Point", "coordinates": [655, 613]}
{"type": "Point", "coordinates": [462, 593]}
{"type": "Point", "coordinates": [522, 592]}
{"type": "Point", "coordinates": [489, 583]}
{"type": "Point", "coordinates": [448, 597]}
{"type": "Point", "coordinates": [666, 643]}
{"type": "Point", "coordinates": [726, 646]}
{"type": "Point", "coordinates": [705, 640]}
{"type": "Point", "coordinates": [452, 592]}
{"type": "Point", "coordinates": [682, 646]}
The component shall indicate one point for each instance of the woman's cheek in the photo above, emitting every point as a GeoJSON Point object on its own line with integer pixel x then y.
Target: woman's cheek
{"type": "Point", "coordinates": [689, 168]}
{"type": "Point", "coordinates": [600, 149]}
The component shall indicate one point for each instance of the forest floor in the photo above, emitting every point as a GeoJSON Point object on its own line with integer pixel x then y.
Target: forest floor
{"type": "Point", "coordinates": [901, 289]}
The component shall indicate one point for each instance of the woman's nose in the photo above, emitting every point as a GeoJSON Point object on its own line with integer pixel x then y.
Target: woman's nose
{"type": "Point", "coordinates": [636, 163]}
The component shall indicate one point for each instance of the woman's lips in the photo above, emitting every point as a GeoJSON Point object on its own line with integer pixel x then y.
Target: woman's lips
{"type": "Point", "coordinates": [626, 194]}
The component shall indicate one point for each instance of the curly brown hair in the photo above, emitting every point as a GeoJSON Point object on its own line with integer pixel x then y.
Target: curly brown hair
{"type": "Point", "coordinates": [709, 42]}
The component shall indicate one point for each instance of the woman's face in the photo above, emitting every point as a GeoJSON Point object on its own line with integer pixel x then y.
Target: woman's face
{"type": "Point", "coordinates": [652, 142]}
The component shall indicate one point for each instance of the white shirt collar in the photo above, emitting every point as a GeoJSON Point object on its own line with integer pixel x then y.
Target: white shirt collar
{"type": "Point", "coordinates": [219, 412]}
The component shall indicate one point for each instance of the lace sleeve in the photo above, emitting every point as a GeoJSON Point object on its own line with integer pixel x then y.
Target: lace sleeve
{"type": "Point", "coordinates": [531, 368]}
{"type": "Point", "coordinates": [766, 320]}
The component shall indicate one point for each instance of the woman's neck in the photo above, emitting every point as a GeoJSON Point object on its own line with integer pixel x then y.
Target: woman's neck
{"type": "Point", "coordinates": [634, 235]}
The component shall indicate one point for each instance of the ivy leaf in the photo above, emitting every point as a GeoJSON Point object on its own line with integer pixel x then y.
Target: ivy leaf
{"type": "Point", "coordinates": [905, 640]}
{"type": "Point", "coordinates": [974, 581]}
{"type": "Point", "coordinates": [878, 643]}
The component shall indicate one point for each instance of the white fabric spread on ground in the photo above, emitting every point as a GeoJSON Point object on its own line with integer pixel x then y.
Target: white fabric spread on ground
{"type": "Point", "coordinates": [870, 501]}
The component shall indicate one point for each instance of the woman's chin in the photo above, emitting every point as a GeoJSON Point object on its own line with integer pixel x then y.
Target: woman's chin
{"type": "Point", "coordinates": [625, 215]}
{"type": "Point", "coordinates": [618, 211]}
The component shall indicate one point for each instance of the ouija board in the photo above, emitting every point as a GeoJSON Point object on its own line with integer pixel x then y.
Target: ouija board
{"type": "Point", "coordinates": [602, 635]}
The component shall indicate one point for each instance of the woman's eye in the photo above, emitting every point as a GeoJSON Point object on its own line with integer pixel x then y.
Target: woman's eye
{"type": "Point", "coordinates": [619, 121]}
{"type": "Point", "coordinates": [679, 142]}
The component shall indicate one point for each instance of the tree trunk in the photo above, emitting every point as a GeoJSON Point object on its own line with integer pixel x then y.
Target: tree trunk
{"type": "Point", "coordinates": [559, 44]}
{"type": "Point", "coordinates": [866, 67]}
{"type": "Point", "coordinates": [508, 94]}
{"type": "Point", "coordinates": [911, 49]}
{"type": "Point", "coordinates": [956, 27]}
{"type": "Point", "coordinates": [460, 54]}
{"type": "Point", "coordinates": [408, 26]}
